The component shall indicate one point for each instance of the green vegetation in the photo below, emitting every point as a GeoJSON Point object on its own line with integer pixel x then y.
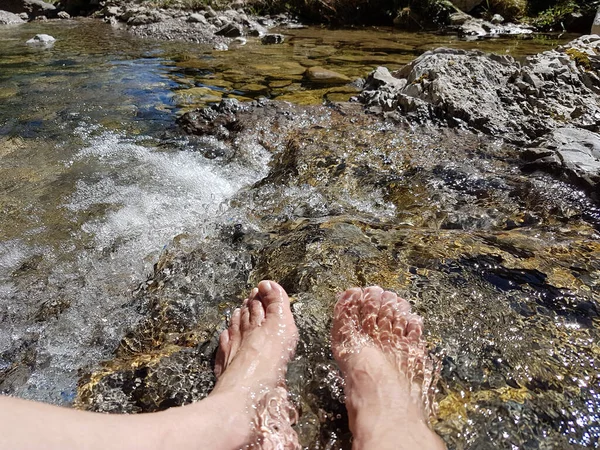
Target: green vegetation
{"type": "Point", "coordinates": [572, 15]}
{"type": "Point", "coordinates": [580, 58]}
{"type": "Point", "coordinates": [562, 14]}
{"type": "Point", "coordinates": [410, 13]}
{"type": "Point", "coordinates": [509, 9]}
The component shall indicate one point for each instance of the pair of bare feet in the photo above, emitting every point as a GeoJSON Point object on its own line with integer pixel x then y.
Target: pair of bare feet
{"type": "Point", "coordinates": [377, 343]}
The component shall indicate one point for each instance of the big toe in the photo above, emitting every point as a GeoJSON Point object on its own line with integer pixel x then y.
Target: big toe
{"type": "Point", "coordinates": [274, 298]}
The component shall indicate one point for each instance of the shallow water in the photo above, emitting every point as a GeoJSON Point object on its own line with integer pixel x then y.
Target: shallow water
{"type": "Point", "coordinates": [95, 183]}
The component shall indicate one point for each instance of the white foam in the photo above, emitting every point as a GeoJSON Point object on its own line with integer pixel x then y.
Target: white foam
{"type": "Point", "coordinates": [154, 194]}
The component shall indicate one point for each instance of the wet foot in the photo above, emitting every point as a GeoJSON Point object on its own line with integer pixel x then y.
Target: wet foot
{"type": "Point", "coordinates": [251, 364]}
{"type": "Point", "coordinates": [388, 374]}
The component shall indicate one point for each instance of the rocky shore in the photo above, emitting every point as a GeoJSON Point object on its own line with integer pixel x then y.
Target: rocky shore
{"type": "Point", "coordinates": [197, 21]}
{"type": "Point", "coordinates": [549, 104]}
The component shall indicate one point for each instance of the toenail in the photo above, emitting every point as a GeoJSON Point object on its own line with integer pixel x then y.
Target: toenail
{"type": "Point", "coordinates": [266, 286]}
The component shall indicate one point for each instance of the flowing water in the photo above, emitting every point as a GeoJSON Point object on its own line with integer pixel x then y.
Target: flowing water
{"type": "Point", "coordinates": [96, 182]}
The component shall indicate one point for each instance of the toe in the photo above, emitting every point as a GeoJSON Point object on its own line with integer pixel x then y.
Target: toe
{"type": "Point", "coordinates": [348, 304]}
{"type": "Point", "coordinates": [345, 317]}
{"type": "Point", "coordinates": [245, 320]}
{"type": "Point", "coordinates": [402, 305]}
{"type": "Point", "coordinates": [222, 353]}
{"type": "Point", "coordinates": [273, 297]}
{"type": "Point", "coordinates": [235, 336]}
{"type": "Point", "coordinates": [400, 322]}
{"type": "Point", "coordinates": [257, 313]}
{"type": "Point", "coordinates": [370, 309]}
{"type": "Point", "coordinates": [414, 328]}
{"type": "Point", "coordinates": [385, 318]}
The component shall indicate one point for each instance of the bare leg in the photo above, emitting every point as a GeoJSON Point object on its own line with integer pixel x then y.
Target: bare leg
{"type": "Point", "coordinates": [248, 405]}
{"type": "Point", "coordinates": [377, 343]}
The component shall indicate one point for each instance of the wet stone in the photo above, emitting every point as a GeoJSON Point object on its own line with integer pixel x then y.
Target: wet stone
{"type": "Point", "coordinates": [270, 39]}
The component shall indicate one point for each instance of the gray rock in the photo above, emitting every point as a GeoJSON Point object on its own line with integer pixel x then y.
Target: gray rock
{"type": "Point", "coordinates": [596, 24]}
{"type": "Point", "coordinates": [220, 47]}
{"type": "Point", "coordinates": [210, 12]}
{"type": "Point", "coordinates": [497, 18]}
{"type": "Point", "coordinates": [230, 30]}
{"type": "Point", "coordinates": [24, 16]}
{"type": "Point", "coordinates": [146, 16]}
{"type": "Point", "coordinates": [63, 15]}
{"type": "Point", "coordinates": [495, 94]}
{"type": "Point", "coordinates": [574, 152]}
{"type": "Point", "coordinates": [459, 18]}
{"type": "Point", "coordinates": [41, 39]}
{"type": "Point", "coordinates": [8, 18]}
{"type": "Point", "coordinates": [233, 16]}
{"type": "Point", "coordinates": [111, 11]}
{"type": "Point", "coordinates": [197, 18]}
{"type": "Point", "coordinates": [472, 27]}
{"type": "Point", "coordinates": [31, 7]}
{"type": "Point", "coordinates": [273, 38]}
{"type": "Point", "coordinates": [381, 87]}
{"type": "Point", "coordinates": [256, 29]}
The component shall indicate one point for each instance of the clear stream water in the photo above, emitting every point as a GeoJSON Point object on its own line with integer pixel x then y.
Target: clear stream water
{"type": "Point", "coordinates": [94, 182]}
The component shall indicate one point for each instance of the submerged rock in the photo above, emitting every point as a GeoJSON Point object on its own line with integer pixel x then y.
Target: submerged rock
{"type": "Point", "coordinates": [325, 76]}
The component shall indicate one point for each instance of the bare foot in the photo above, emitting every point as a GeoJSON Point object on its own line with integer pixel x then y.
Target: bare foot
{"type": "Point", "coordinates": [377, 343]}
{"type": "Point", "coordinates": [252, 362]}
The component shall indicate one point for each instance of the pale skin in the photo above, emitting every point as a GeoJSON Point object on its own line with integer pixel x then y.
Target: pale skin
{"type": "Point", "coordinates": [251, 364]}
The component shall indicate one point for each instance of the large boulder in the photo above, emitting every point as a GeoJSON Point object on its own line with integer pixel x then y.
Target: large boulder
{"type": "Point", "coordinates": [31, 7]}
{"type": "Point", "coordinates": [497, 95]}
{"type": "Point", "coordinates": [8, 18]}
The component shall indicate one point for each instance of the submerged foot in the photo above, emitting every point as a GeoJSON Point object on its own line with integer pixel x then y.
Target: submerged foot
{"type": "Point", "coordinates": [252, 362]}
{"type": "Point", "coordinates": [389, 376]}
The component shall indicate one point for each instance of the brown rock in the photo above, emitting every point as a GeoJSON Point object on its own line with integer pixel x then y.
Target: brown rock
{"type": "Point", "coordinates": [325, 76]}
